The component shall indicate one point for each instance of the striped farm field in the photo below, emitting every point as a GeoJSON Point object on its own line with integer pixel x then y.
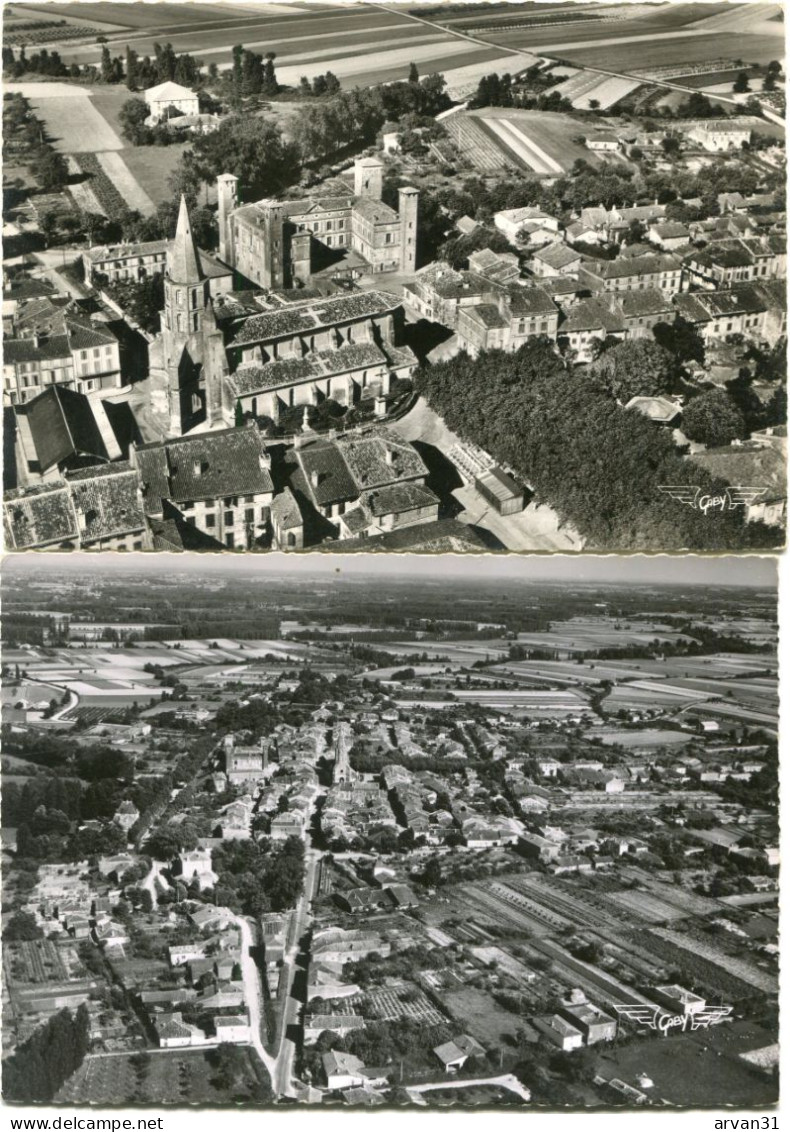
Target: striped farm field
{"type": "Point", "coordinates": [537, 142]}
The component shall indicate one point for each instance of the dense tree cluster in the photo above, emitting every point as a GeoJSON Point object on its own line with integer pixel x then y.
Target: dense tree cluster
{"type": "Point", "coordinates": [253, 149]}
{"type": "Point", "coordinates": [356, 116]}
{"type": "Point", "coordinates": [636, 368]}
{"type": "Point", "coordinates": [38, 1068]}
{"type": "Point", "coordinates": [599, 466]}
{"type": "Point", "coordinates": [254, 879]}
{"type": "Point", "coordinates": [714, 419]}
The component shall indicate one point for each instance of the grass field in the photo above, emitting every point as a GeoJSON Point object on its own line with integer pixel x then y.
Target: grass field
{"type": "Point", "coordinates": [175, 1077]}
{"type": "Point", "coordinates": [713, 1076]}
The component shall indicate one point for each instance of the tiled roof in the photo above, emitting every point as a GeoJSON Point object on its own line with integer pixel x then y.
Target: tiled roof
{"type": "Point", "coordinates": [356, 355]}
{"type": "Point", "coordinates": [108, 501]}
{"type": "Point", "coordinates": [39, 516]}
{"type": "Point", "coordinates": [397, 498]}
{"type": "Point", "coordinates": [643, 265]}
{"type": "Point", "coordinates": [649, 301]}
{"type": "Point", "coordinates": [62, 423]}
{"type": "Point", "coordinates": [375, 211]}
{"type": "Point", "coordinates": [312, 316]}
{"type": "Point", "coordinates": [530, 301]}
{"type": "Point", "coordinates": [323, 459]}
{"type": "Point", "coordinates": [488, 314]}
{"type": "Point", "coordinates": [125, 251]}
{"type": "Point", "coordinates": [747, 467]}
{"type": "Point", "coordinates": [557, 255]}
{"type": "Point", "coordinates": [85, 335]}
{"type": "Point", "coordinates": [285, 510]}
{"type": "Point", "coordinates": [205, 466]}
{"type": "Point", "coordinates": [367, 460]}
{"type": "Point", "coordinates": [55, 348]}
{"type": "Point", "coordinates": [591, 314]}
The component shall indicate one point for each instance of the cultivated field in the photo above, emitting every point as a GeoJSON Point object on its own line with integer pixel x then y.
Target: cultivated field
{"type": "Point", "coordinates": [536, 142]}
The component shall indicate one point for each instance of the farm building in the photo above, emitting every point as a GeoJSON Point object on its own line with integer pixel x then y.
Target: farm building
{"type": "Point", "coordinates": [718, 136]}
{"type": "Point", "coordinates": [271, 242]}
{"type": "Point", "coordinates": [169, 99]}
{"type": "Point", "coordinates": [501, 491]}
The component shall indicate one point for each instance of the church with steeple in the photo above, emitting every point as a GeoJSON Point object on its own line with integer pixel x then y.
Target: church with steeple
{"type": "Point", "coordinates": [257, 353]}
{"type": "Point", "coordinates": [192, 344]}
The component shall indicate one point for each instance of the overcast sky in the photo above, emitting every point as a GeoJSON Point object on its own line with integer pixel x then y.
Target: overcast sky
{"type": "Point", "coordinates": [639, 569]}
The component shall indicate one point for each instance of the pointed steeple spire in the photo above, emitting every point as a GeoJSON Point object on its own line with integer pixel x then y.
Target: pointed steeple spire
{"type": "Point", "coordinates": [183, 261]}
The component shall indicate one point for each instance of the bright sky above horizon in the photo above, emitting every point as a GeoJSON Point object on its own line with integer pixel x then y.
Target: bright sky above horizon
{"type": "Point", "coordinates": [726, 570]}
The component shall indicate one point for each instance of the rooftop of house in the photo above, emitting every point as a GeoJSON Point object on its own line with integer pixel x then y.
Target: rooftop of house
{"type": "Point", "coordinates": [168, 90]}
{"type": "Point", "coordinates": [106, 252]}
{"type": "Point", "coordinates": [592, 314]}
{"type": "Point", "coordinates": [397, 499]}
{"type": "Point", "coordinates": [381, 459]}
{"type": "Point", "coordinates": [442, 536]}
{"type": "Point", "coordinates": [557, 255]}
{"type": "Point", "coordinates": [39, 516]}
{"type": "Point", "coordinates": [762, 467]}
{"type": "Point", "coordinates": [488, 315]}
{"type": "Point", "coordinates": [63, 423]}
{"type": "Point", "coordinates": [285, 510]}
{"type": "Point", "coordinates": [210, 465]}
{"type": "Point", "coordinates": [107, 501]}
{"type": "Point", "coordinates": [321, 473]}
{"type": "Point", "coordinates": [530, 301]}
{"type": "Point", "coordinates": [625, 266]}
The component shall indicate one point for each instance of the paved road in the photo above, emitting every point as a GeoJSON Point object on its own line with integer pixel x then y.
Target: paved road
{"type": "Point", "coordinates": [505, 1081]}
{"type": "Point", "coordinates": [253, 994]}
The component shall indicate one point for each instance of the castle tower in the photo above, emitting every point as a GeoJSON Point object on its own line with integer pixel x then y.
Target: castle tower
{"type": "Point", "coordinates": [227, 200]}
{"type": "Point", "coordinates": [186, 298]}
{"type": "Point", "coordinates": [368, 177]}
{"type": "Point", "coordinates": [408, 204]}
{"type": "Point", "coordinates": [273, 268]}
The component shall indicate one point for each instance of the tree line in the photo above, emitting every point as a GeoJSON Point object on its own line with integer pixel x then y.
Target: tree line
{"type": "Point", "coordinates": [600, 466]}
{"type": "Point", "coordinates": [40, 1066]}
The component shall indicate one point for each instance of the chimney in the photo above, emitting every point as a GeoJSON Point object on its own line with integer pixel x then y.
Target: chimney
{"type": "Point", "coordinates": [264, 461]}
{"type": "Point", "coordinates": [315, 479]}
{"type": "Point", "coordinates": [197, 467]}
{"type": "Point", "coordinates": [389, 456]}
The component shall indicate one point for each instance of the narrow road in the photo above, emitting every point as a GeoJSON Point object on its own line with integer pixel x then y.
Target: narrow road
{"type": "Point", "coordinates": [505, 1081]}
{"type": "Point", "coordinates": [253, 995]}
{"type": "Point", "coordinates": [149, 882]}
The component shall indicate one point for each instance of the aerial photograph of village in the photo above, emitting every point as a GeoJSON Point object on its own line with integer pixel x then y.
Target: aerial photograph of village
{"type": "Point", "coordinates": [414, 832]}
{"type": "Point", "coordinates": [398, 276]}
